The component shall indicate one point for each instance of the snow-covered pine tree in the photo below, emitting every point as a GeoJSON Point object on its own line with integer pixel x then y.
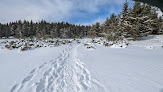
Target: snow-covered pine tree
{"type": "Point", "coordinates": [95, 29]}
{"type": "Point", "coordinates": [0, 30]}
{"type": "Point", "coordinates": [139, 21]}
{"type": "Point", "coordinates": [160, 23]}
{"type": "Point", "coordinates": [110, 28]}
{"type": "Point", "coordinates": [124, 22]}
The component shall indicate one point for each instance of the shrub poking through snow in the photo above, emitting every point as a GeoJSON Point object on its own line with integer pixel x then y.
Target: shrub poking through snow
{"type": "Point", "coordinates": [24, 48]}
{"type": "Point", "coordinates": [37, 46]}
{"type": "Point", "coordinates": [12, 42]}
{"type": "Point", "coordinates": [94, 41]}
{"type": "Point", "coordinates": [127, 43]}
{"type": "Point", "coordinates": [69, 41]}
{"type": "Point", "coordinates": [78, 42]}
{"type": "Point", "coordinates": [86, 44]}
{"type": "Point", "coordinates": [106, 44]}
{"type": "Point", "coordinates": [26, 44]}
{"type": "Point", "coordinates": [31, 44]}
{"type": "Point", "coordinates": [63, 43]}
{"type": "Point", "coordinates": [8, 47]}
{"type": "Point", "coordinates": [90, 47]}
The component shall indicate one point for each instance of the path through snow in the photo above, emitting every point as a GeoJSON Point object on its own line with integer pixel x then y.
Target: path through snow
{"type": "Point", "coordinates": [65, 74]}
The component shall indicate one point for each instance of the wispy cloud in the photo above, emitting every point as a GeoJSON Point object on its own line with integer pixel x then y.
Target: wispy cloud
{"type": "Point", "coordinates": [75, 11]}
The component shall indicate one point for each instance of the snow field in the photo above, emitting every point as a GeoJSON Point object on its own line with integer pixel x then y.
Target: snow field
{"type": "Point", "coordinates": [65, 74]}
{"type": "Point", "coordinates": [77, 68]}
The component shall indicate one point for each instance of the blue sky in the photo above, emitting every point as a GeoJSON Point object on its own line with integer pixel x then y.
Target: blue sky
{"type": "Point", "coordinates": [74, 11]}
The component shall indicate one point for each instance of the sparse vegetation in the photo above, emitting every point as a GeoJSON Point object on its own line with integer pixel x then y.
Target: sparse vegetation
{"type": "Point", "coordinates": [7, 47]}
{"type": "Point", "coordinates": [26, 44]}
{"type": "Point", "coordinates": [90, 47]}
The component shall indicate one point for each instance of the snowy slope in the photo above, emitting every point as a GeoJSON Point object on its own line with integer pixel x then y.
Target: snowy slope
{"type": "Point", "coordinates": [74, 68]}
{"type": "Point", "coordinates": [150, 42]}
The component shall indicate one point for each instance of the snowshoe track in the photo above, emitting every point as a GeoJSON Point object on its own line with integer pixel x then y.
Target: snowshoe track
{"type": "Point", "coordinates": [65, 74]}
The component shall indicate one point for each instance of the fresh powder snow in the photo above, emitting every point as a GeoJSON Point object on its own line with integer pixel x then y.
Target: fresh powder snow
{"type": "Point", "coordinates": [77, 68]}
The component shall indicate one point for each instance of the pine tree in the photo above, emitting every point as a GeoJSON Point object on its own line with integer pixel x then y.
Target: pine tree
{"type": "Point", "coordinates": [97, 28]}
{"type": "Point", "coordinates": [0, 30]}
{"type": "Point", "coordinates": [160, 24]}
{"type": "Point", "coordinates": [125, 24]}
{"type": "Point", "coordinates": [139, 21]}
{"type": "Point", "coordinates": [125, 10]}
{"type": "Point", "coordinates": [31, 29]}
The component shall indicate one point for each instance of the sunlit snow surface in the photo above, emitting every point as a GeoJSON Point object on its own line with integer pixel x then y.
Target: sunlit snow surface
{"type": "Point", "coordinates": [74, 68]}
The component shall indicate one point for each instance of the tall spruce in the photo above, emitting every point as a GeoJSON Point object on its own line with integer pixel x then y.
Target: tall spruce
{"type": "Point", "coordinates": [125, 22]}
{"type": "Point", "coordinates": [139, 21]}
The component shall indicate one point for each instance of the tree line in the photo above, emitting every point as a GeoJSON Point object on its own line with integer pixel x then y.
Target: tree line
{"type": "Point", "coordinates": [23, 29]}
{"type": "Point", "coordinates": [138, 21]}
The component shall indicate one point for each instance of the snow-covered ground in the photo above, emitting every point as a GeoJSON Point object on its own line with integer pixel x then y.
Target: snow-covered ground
{"type": "Point", "coordinates": [76, 68]}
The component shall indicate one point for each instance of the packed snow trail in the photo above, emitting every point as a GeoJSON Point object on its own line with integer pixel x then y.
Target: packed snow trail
{"type": "Point", "coordinates": [65, 74]}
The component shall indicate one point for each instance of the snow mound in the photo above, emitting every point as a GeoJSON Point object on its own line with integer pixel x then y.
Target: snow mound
{"type": "Point", "coordinates": [149, 42]}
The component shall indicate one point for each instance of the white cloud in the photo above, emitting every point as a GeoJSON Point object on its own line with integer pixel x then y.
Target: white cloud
{"type": "Point", "coordinates": [51, 10]}
{"type": "Point", "coordinates": [100, 20]}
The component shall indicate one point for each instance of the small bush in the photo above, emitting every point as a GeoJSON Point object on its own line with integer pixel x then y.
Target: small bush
{"type": "Point", "coordinates": [78, 42]}
{"type": "Point", "coordinates": [127, 44]}
{"type": "Point", "coordinates": [14, 46]}
{"type": "Point", "coordinates": [106, 44]}
{"type": "Point", "coordinates": [22, 40]}
{"type": "Point", "coordinates": [8, 47]}
{"type": "Point", "coordinates": [63, 43]}
{"type": "Point", "coordinates": [69, 42]}
{"type": "Point", "coordinates": [86, 44]}
{"type": "Point", "coordinates": [51, 41]}
{"type": "Point", "coordinates": [93, 41]}
{"type": "Point", "coordinates": [56, 44]}
{"type": "Point", "coordinates": [12, 42]}
{"type": "Point", "coordinates": [24, 48]}
{"type": "Point", "coordinates": [37, 46]}
{"type": "Point", "coordinates": [31, 44]}
{"type": "Point", "coordinates": [89, 47]}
